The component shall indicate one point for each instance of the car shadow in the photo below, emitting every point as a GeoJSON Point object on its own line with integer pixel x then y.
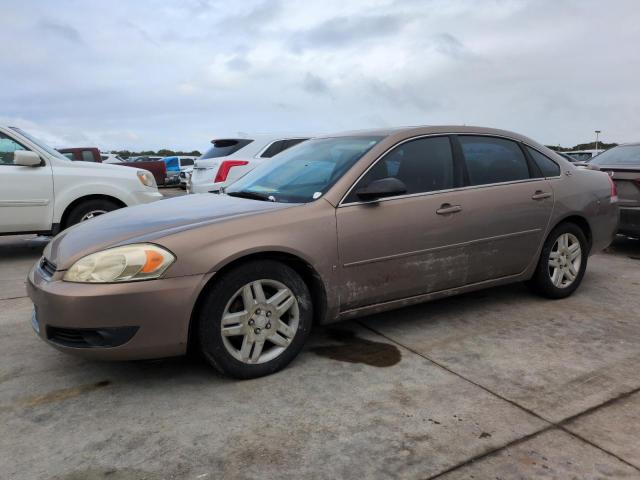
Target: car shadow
{"type": "Point", "coordinates": [22, 247]}
{"type": "Point", "coordinates": [626, 246]}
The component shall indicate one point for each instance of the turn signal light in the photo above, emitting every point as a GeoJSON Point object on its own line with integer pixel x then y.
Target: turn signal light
{"type": "Point", "coordinates": [225, 167]}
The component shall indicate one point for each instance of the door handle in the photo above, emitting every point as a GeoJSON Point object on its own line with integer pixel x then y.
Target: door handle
{"type": "Point", "coordinates": [447, 208]}
{"type": "Point", "coordinates": [539, 195]}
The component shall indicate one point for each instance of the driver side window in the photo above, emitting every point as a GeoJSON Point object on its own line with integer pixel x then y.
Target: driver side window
{"type": "Point", "coordinates": [423, 165]}
{"type": "Point", "coordinates": [7, 147]}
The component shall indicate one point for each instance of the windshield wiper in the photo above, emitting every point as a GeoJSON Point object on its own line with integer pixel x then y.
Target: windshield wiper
{"type": "Point", "coordinates": [252, 195]}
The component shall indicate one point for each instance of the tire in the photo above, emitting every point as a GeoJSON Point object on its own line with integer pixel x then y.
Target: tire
{"type": "Point", "coordinates": [240, 353]}
{"type": "Point", "coordinates": [553, 285]}
{"type": "Point", "coordinates": [98, 206]}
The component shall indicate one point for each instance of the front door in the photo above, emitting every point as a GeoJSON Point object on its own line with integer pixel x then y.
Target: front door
{"type": "Point", "coordinates": [26, 193]}
{"type": "Point", "coordinates": [401, 246]}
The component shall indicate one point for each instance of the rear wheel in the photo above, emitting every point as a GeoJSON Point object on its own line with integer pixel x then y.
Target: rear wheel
{"type": "Point", "coordinates": [255, 319]}
{"type": "Point", "coordinates": [562, 263]}
{"type": "Point", "coordinates": [90, 209]}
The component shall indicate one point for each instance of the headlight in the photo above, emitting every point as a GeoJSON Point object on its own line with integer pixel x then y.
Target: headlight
{"type": "Point", "coordinates": [146, 178]}
{"type": "Point", "coordinates": [141, 261]}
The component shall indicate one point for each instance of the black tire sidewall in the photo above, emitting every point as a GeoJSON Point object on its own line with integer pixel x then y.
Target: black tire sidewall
{"type": "Point", "coordinates": [82, 208]}
{"type": "Point", "coordinates": [541, 280]}
{"type": "Point", "coordinates": [210, 315]}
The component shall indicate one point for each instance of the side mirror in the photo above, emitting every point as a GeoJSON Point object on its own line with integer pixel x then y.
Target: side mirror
{"type": "Point", "coordinates": [385, 187]}
{"type": "Point", "coordinates": [26, 159]}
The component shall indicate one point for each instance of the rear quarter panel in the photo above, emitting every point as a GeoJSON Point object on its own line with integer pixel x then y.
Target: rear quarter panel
{"type": "Point", "coordinates": [586, 193]}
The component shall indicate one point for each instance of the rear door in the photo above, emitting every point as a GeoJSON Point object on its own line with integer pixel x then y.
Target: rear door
{"type": "Point", "coordinates": [506, 207]}
{"type": "Point", "coordinates": [26, 193]}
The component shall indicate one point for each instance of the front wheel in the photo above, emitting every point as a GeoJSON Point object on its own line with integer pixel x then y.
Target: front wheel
{"type": "Point", "coordinates": [255, 319]}
{"type": "Point", "coordinates": [562, 263]}
{"type": "Point", "coordinates": [89, 209]}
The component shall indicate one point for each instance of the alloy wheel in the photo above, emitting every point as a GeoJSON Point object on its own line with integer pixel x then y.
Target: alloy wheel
{"type": "Point", "coordinates": [92, 214]}
{"type": "Point", "coordinates": [564, 260]}
{"type": "Point", "coordinates": [260, 321]}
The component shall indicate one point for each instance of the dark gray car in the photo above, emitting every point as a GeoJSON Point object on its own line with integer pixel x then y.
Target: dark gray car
{"type": "Point", "coordinates": [622, 163]}
{"type": "Point", "coordinates": [334, 228]}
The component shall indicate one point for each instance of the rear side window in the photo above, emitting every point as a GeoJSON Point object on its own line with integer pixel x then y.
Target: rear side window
{"type": "Point", "coordinates": [274, 149]}
{"type": "Point", "coordinates": [548, 167]}
{"type": "Point", "coordinates": [223, 148]}
{"type": "Point", "coordinates": [423, 165]}
{"type": "Point", "coordinates": [87, 156]}
{"type": "Point", "coordinates": [280, 146]}
{"type": "Point", "coordinates": [185, 162]}
{"type": "Point", "coordinates": [293, 141]}
{"type": "Point", "coordinates": [493, 160]}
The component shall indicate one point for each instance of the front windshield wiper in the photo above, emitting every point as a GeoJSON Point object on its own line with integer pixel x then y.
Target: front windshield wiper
{"type": "Point", "coordinates": [252, 195]}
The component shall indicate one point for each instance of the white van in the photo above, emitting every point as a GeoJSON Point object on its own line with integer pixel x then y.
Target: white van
{"type": "Point", "coordinates": [42, 191]}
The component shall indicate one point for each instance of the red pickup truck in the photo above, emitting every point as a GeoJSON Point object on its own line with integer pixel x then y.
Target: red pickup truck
{"type": "Point", "coordinates": [90, 154]}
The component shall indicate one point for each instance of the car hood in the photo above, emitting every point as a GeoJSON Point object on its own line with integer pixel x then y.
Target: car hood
{"type": "Point", "coordinates": [100, 166]}
{"type": "Point", "coordinates": [149, 223]}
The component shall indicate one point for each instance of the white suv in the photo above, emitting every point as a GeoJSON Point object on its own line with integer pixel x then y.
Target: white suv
{"type": "Point", "coordinates": [231, 158]}
{"type": "Point", "coordinates": [42, 191]}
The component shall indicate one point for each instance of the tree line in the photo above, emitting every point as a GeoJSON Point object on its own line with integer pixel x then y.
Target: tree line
{"type": "Point", "coordinates": [583, 146]}
{"type": "Point", "coordinates": [163, 152]}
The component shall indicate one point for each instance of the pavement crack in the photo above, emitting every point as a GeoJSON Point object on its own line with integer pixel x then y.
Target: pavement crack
{"type": "Point", "coordinates": [444, 367]}
{"type": "Point", "coordinates": [594, 408]}
{"type": "Point", "coordinates": [492, 451]}
{"type": "Point", "coordinates": [561, 425]}
{"type": "Point", "coordinates": [13, 298]}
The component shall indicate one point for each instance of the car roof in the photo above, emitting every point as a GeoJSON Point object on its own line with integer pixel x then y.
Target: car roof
{"type": "Point", "coordinates": [263, 137]}
{"type": "Point", "coordinates": [410, 131]}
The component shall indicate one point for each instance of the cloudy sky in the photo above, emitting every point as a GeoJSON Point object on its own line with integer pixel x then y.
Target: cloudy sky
{"type": "Point", "coordinates": [159, 73]}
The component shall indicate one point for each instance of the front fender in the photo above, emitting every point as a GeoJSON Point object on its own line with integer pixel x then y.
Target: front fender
{"type": "Point", "coordinates": [66, 196]}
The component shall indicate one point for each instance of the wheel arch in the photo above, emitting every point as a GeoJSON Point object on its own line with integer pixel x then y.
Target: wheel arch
{"type": "Point", "coordinates": [85, 198]}
{"type": "Point", "coordinates": [581, 222]}
{"type": "Point", "coordinates": [307, 272]}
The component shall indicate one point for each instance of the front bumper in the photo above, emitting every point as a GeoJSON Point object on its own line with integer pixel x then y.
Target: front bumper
{"type": "Point", "coordinates": [146, 196]}
{"type": "Point", "coordinates": [151, 317]}
{"type": "Point", "coordinates": [629, 221]}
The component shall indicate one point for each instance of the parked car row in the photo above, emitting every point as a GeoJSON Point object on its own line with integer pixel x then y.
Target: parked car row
{"type": "Point", "coordinates": [177, 165]}
{"type": "Point", "coordinates": [332, 228]}
{"type": "Point", "coordinates": [92, 154]}
{"type": "Point", "coordinates": [581, 155]}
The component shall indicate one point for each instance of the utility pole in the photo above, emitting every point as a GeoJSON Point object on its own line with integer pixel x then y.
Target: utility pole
{"type": "Point", "coordinates": [597, 135]}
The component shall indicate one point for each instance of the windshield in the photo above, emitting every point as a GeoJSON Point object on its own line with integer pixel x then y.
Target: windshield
{"type": "Point", "coordinates": [620, 155]}
{"type": "Point", "coordinates": [305, 172]}
{"type": "Point", "coordinates": [41, 144]}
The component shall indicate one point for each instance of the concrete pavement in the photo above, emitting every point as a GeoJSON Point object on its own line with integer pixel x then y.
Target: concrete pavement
{"type": "Point", "coordinates": [494, 384]}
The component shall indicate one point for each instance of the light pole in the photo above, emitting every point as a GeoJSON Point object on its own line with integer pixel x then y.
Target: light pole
{"type": "Point", "coordinates": [597, 135]}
